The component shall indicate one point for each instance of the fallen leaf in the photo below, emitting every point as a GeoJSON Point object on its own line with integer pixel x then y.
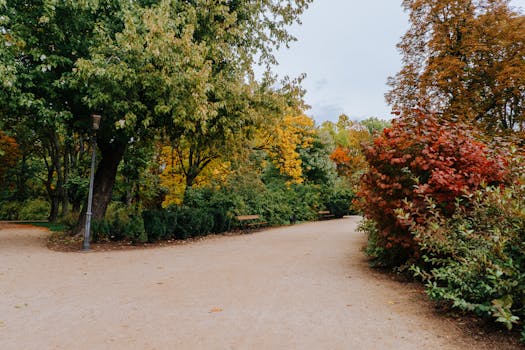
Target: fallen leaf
{"type": "Point", "coordinates": [349, 305]}
{"type": "Point", "coordinates": [392, 302]}
{"type": "Point", "coordinates": [216, 309]}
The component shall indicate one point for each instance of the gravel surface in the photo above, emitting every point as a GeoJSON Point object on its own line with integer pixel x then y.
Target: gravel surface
{"type": "Point", "coordinates": [306, 286]}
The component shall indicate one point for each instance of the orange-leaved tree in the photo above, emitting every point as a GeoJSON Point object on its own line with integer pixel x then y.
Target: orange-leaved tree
{"type": "Point", "coordinates": [349, 137]}
{"type": "Point", "coordinates": [463, 59]}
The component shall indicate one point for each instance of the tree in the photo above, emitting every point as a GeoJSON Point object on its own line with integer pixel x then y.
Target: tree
{"type": "Point", "coordinates": [9, 156]}
{"type": "Point", "coordinates": [283, 142]}
{"type": "Point", "coordinates": [375, 125]}
{"type": "Point", "coordinates": [464, 60]}
{"type": "Point", "coordinates": [40, 42]}
{"type": "Point", "coordinates": [349, 138]}
{"type": "Point", "coordinates": [183, 169]}
{"type": "Point", "coordinates": [146, 66]}
{"type": "Point", "coordinates": [317, 168]}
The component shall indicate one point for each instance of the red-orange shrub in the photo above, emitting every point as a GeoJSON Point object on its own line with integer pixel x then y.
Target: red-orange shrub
{"type": "Point", "coordinates": [418, 158]}
{"type": "Point", "coordinates": [9, 154]}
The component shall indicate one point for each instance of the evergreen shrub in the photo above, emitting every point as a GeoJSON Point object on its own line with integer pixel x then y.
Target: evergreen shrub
{"type": "Point", "coordinates": [339, 202]}
{"type": "Point", "coordinates": [156, 224]}
{"type": "Point", "coordinates": [120, 223]}
{"type": "Point", "coordinates": [192, 222]}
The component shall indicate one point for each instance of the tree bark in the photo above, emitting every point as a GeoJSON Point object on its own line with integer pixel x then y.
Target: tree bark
{"type": "Point", "coordinates": [105, 175]}
{"type": "Point", "coordinates": [54, 169]}
{"type": "Point", "coordinates": [53, 212]}
{"type": "Point", "coordinates": [64, 197]}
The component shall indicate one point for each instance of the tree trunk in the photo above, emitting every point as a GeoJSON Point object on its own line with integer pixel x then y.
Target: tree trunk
{"type": "Point", "coordinates": [76, 206]}
{"type": "Point", "coordinates": [51, 191]}
{"type": "Point", "coordinates": [55, 204]}
{"type": "Point", "coordinates": [21, 180]}
{"type": "Point", "coordinates": [54, 168]}
{"type": "Point", "coordinates": [64, 197]}
{"type": "Point", "coordinates": [111, 155]}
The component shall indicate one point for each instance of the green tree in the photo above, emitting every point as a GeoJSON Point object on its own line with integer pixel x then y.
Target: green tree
{"type": "Point", "coordinates": [317, 167]}
{"type": "Point", "coordinates": [178, 67]}
{"type": "Point", "coordinates": [41, 41]}
{"type": "Point", "coordinates": [146, 66]}
{"type": "Point", "coordinates": [375, 125]}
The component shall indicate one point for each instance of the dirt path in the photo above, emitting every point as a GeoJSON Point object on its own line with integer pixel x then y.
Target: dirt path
{"type": "Point", "coordinates": [301, 287]}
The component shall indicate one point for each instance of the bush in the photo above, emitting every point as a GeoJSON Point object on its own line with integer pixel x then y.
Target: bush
{"type": "Point", "coordinates": [118, 220]}
{"type": "Point", "coordinates": [156, 224]}
{"type": "Point", "coordinates": [10, 210]}
{"type": "Point", "coordinates": [100, 231]}
{"type": "Point", "coordinates": [31, 209]}
{"type": "Point", "coordinates": [183, 222]}
{"type": "Point", "coordinates": [135, 230]}
{"type": "Point", "coordinates": [421, 158]}
{"type": "Point", "coordinates": [273, 206]}
{"type": "Point", "coordinates": [34, 209]}
{"type": "Point", "coordinates": [70, 220]}
{"type": "Point", "coordinates": [209, 209]}
{"type": "Point", "coordinates": [475, 258]}
{"type": "Point", "coordinates": [304, 200]}
{"type": "Point", "coordinates": [340, 201]}
{"type": "Point", "coordinates": [221, 220]}
{"type": "Point", "coordinates": [120, 223]}
{"type": "Point", "coordinates": [192, 222]}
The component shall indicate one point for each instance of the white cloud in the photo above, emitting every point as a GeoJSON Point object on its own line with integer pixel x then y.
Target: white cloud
{"type": "Point", "coordinates": [348, 50]}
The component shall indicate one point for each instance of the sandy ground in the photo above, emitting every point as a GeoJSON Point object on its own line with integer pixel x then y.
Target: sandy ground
{"type": "Point", "coordinates": [301, 287]}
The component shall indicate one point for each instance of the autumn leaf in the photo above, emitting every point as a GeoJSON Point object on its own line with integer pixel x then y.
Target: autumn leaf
{"type": "Point", "coordinates": [463, 60]}
{"type": "Point", "coordinates": [283, 140]}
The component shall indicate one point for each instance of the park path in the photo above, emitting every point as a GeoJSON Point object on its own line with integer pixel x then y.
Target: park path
{"type": "Point", "coordinates": [306, 286]}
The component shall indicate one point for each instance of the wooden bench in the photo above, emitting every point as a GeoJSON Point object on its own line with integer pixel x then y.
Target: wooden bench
{"type": "Point", "coordinates": [325, 214]}
{"type": "Point", "coordinates": [250, 221]}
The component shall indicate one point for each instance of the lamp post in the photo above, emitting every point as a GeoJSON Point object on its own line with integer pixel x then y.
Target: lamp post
{"type": "Point", "coordinates": [96, 124]}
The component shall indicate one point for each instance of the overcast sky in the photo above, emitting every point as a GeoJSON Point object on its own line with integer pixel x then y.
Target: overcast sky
{"type": "Point", "coordinates": [347, 48]}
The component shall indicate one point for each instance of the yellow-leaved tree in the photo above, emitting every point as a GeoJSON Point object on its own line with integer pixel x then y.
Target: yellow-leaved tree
{"type": "Point", "coordinates": [182, 167]}
{"type": "Point", "coordinates": [282, 141]}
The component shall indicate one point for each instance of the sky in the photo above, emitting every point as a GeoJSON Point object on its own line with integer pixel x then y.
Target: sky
{"type": "Point", "coordinates": [347, 48]}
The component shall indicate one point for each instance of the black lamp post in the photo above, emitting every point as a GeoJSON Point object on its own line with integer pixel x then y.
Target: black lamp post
{"type": "Point", "coordinates": [87, 232]}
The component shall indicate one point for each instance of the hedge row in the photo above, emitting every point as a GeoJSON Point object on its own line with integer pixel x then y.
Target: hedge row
{"type": "Point", "coordinates": [213, 211]}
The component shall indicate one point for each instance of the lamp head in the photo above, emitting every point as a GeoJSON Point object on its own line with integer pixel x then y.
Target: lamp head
{"type": "Point", "coordinates": [96, 121]}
